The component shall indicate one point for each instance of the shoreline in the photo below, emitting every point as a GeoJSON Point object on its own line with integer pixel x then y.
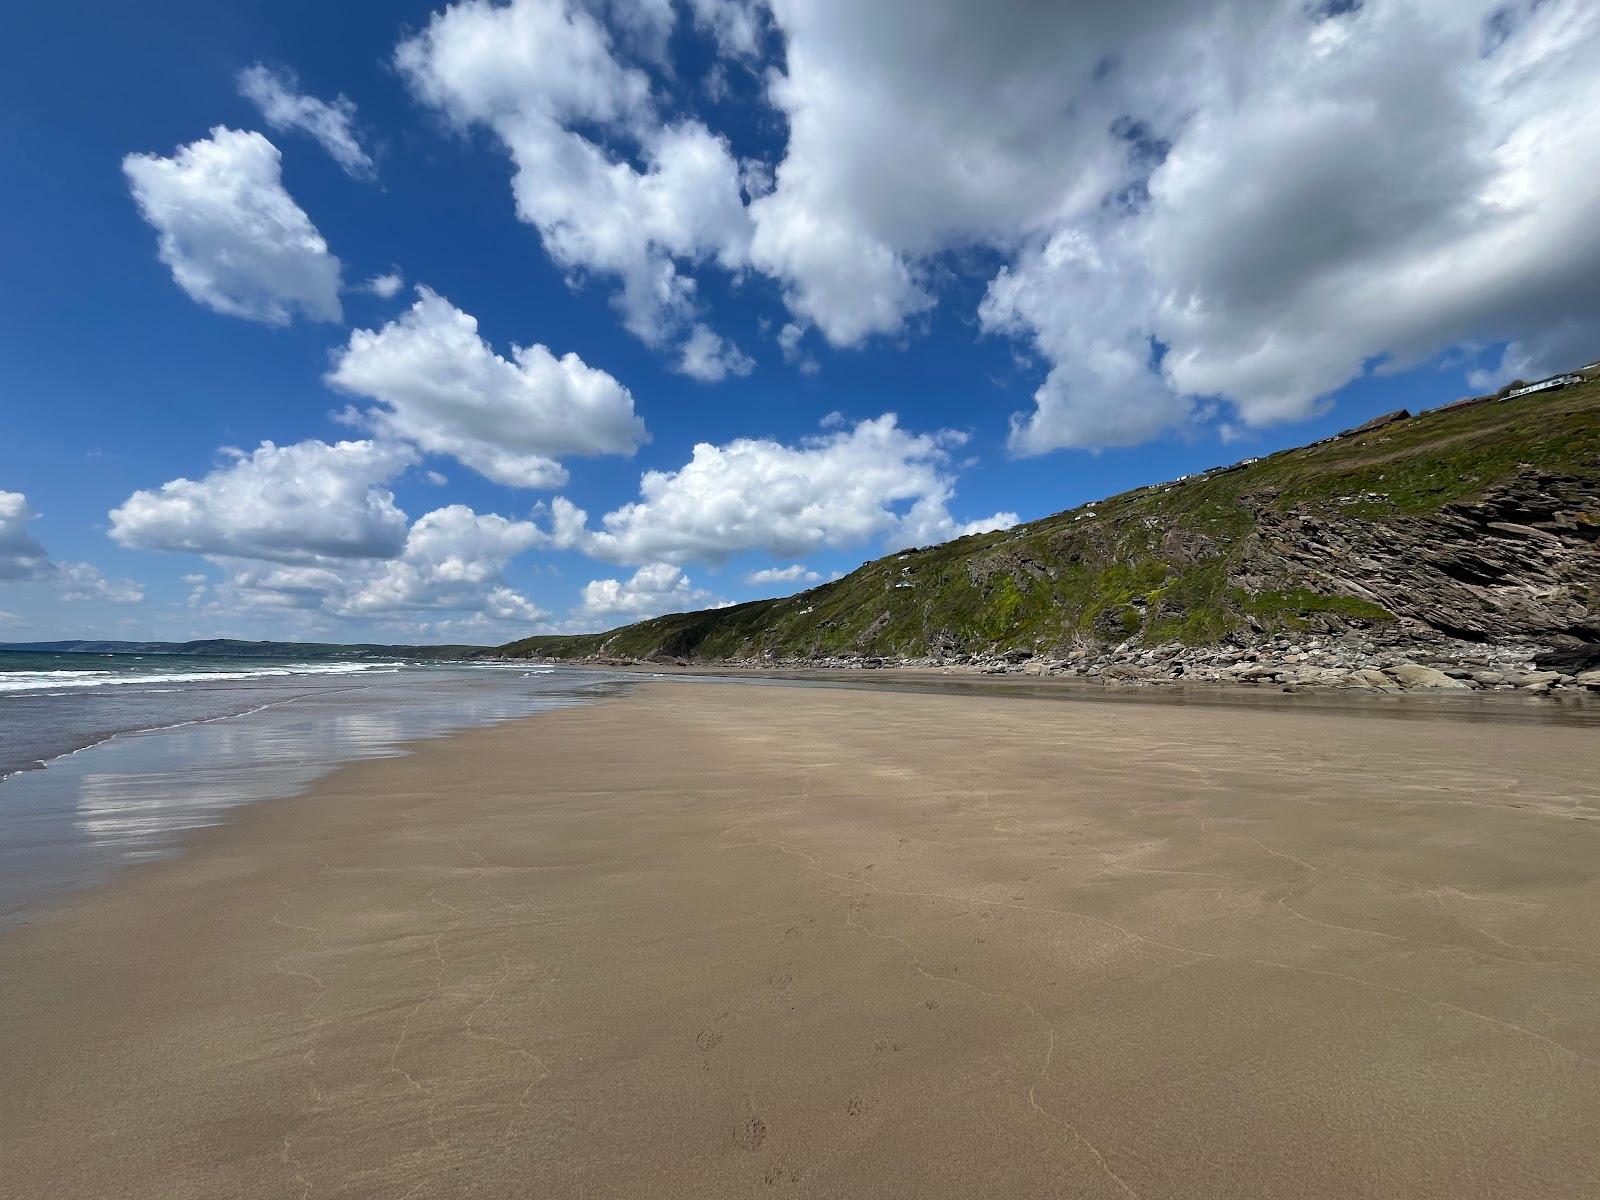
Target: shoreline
{"type": "Point", "coordinates": [692, 942]}
{"type": "Point", "coordinates": [134, 793]}
{"type": "Point", "coordinates": [1578, 707]}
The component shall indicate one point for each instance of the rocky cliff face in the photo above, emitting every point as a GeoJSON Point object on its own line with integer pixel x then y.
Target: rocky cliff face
{"type": "Point", "coordinates": [1519, 564]}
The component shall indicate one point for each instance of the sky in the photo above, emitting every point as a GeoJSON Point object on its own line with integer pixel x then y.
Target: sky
{"type": "Point", "coordinates": [414, 322]}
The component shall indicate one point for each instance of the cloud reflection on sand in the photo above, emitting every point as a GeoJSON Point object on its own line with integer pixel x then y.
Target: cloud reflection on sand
{"type": "Point", "coordinates": [135, 797]}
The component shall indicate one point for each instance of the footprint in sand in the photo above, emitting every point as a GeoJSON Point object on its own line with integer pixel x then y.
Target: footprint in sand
{"type": "Point", "coordinates": [708, 1039]}
{"type": "Point", "coordinates": [752, 1134]}
{"type": "Point", "coordinates": [855, 1107]}
{"type": "Point", "coordinates": [780, 981]}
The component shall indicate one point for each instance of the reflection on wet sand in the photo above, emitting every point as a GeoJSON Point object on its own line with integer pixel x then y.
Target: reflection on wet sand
{"type": "Point", "coordinates": [135, 797]}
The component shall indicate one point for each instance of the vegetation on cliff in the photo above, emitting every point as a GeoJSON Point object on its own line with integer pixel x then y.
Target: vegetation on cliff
{"type": "Point", "coordinates": [1310, 538]}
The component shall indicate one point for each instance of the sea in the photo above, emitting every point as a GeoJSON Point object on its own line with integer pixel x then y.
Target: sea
{"type": "Point", "coordinates": [108, 760]}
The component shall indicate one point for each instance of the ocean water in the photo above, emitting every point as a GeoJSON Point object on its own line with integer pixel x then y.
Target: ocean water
{"type": "Point", "coordinates": [109, 760]}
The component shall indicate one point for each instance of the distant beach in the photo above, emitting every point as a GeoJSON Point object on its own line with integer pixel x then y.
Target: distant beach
{"type": "Point", "coordinates": [701, 939]}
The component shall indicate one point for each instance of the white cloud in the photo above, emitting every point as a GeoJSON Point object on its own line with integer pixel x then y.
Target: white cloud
{"type": "Point", "coordinates": [305, 503]}
{"type": "Point", "coordinates": [84, 581]}
{"type": "Point", "coordinates": [233, 238]}
{"type": "Point", "coordinates": [440, 385]}
{"type": "Point", "coordinates": [653, 589]}
{"type": "Point", "coordinates": [313, 527]}
{"type": "Point", "coordinates": [332, 123]}
{"type": "Point", "coordinates": [791, 574]}
{"type": "Point", "coordinates": [735, 25]}
{"type": "Point", "coordinates": [791, 339]}
{"type": "Point", "coordinates": [1270, 191]}
{"type": "Point", "coordinates": [386, 286]}
{"type": "Point", "coordinates": [1084, 301]}
{"type": "Point", "coordinates": [839, 488]}
{"type": "Point", "coordinates": [929, 522]}
{"type": "Point", "coordinates": [535, 72]}
{"type": "Point", "coordinates": [21, 555]}
{"type": "Point", "coordinates": [1203, 212]}
{"type": "Point", "coordinates": [23, 559]}
{"type": "Point", "coordinates": [710, 359]}
{"type": "Point", "coordinates": [452, 561]}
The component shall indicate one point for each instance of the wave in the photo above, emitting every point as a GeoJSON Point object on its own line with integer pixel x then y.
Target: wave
{"type": "Point", "coordinates": [54, 681]}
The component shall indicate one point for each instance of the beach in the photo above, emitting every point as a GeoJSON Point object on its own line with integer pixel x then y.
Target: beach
{"type": "Point", "coordinates": [729, 939]}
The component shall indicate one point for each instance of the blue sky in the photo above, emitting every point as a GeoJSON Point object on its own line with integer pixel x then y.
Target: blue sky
{"type": "Point", "coordinates": [1015, 214]}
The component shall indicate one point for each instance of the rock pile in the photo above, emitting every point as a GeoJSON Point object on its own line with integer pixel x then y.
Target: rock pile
{"type": "Point", "coordinates": [1403, 662]}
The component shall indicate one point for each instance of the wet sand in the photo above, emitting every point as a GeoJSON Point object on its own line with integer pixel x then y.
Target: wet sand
{"type": "Point", "coordinates": [726, 940]}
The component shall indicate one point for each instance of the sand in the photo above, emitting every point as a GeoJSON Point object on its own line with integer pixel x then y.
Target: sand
{"type": "Point", "coordinates": [716, 940]}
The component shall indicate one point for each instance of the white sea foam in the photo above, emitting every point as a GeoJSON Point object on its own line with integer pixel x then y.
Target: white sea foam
{"type": "Point", "coordinates": [33, 681]}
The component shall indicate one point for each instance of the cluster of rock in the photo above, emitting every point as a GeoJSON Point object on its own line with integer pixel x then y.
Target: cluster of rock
{"type": "Point", "coordinates": [1416, 661]}
{"type": "Point", "coordinates": [1351, 662]}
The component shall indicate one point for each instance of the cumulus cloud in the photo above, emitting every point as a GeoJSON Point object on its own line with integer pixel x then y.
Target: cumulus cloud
{"type": "Point", "coordinates": [452, 559]}
{"type": "Point", "coordinates": [304, 503]}
{"type": "Point", "coordinates": [386, 286]}
{"type": "Point", "coordinates": [440, 385]}
{"type": "Point", "coordinates": [542, 75]}
{"type": "Point", "coordinates": [332, 123]}
{"type": "Point", "coordinates": [85, 581]}
{"type": "Point", "coordinates": [1248, 200]}
{"type": "Point", "coordinates": [21, 555]}
{"type": "Point", "coordinates": [709, 358]}
{"type": "Point", "coordinates": [653, 589]}
{"type": "Point", "coordinates": [313, 527]}
{"type": "Point", "coordinates": [842, 487]}
{"type": "Point", "coordinates": [791, 574]}
{"type": "Point", "coordinates": [24, 560]}
{"type": "Point", "coordinates": [1215, 211]}
{"type": "Point", "coordinates": [233, 238]}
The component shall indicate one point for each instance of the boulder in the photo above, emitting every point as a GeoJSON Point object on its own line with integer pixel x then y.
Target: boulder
{"type": "Point", "coordinates": [1412, 675]}
{"type": "Point", "coordinates": [1377, 679]}
{"type": "Point", "coordinates": [1126, 673]}
{"type": "Point", "coordinates": [1538, 679]}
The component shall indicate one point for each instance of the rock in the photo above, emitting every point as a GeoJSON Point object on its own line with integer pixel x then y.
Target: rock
{"type": "Point", "coordinates": [1126, 673]}
{"type": "Point", "coordinates": [1588, 679]}
{"type": "Point", "coordinates": [1304, 676]}
{"type": "Point", "coordinates": [1413, 675]}
{"type": "Point", "coordinates": [1377, 679]}
{"type": "Point", "coordinates": [1488, 678]}
{"type": "Point", "coordinates": [1259, 671]}
{"type": "Point", "coordinates": [1577, 659]}
{"type": "Point", "coordinates": [1537, 679]}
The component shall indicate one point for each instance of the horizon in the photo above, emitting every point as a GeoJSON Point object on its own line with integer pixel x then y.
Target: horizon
{"type": "Point", "coordinates": [462, 323]}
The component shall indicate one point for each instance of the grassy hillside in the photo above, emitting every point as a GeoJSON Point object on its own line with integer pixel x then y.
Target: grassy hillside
{"type": "Point", "coordinates": [1176, 562]}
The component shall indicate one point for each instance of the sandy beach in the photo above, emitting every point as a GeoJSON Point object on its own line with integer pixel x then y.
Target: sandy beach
{"type": "Point", "coordinates": [710, 940]}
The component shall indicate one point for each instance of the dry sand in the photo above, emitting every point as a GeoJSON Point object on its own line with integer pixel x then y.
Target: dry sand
{"type": "Point", "coordinates": [731, 940]}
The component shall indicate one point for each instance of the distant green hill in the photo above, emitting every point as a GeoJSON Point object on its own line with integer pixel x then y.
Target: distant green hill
{"type": "Point", "coordinates": [231, 648]}
{"type": "Point", "coordinates": [1477, 521]}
